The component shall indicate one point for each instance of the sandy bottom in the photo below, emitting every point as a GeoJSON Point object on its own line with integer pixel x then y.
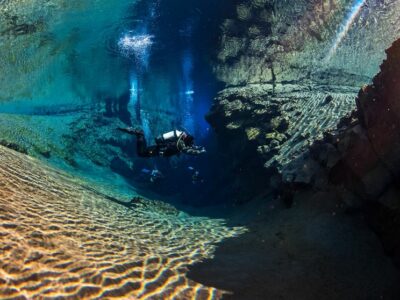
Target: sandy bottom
{"type": "Point", "coordinates": [61, 238]}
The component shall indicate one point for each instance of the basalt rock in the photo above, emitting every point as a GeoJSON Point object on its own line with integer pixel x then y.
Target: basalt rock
{"type": "Point", "coordinates": [269, 126]}
{"type": "Point", "coordinates": [368, 141]}
{"type": "Point", "coordinates": [361, 158]}
{"type": "Point", "coordinates": [379, 111]}
{"type": "Point", "coordinates": [289, 104]}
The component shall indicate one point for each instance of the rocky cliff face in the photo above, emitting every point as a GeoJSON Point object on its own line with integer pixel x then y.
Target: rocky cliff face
{"type": "Point", "coordinates": [358, 160]}
{"type": "Point", "coordinates": [290, 77]}
{"type": "Point", "coordinates": [287, 118]}
{"type": "Point", "coordinates": [366, 151]}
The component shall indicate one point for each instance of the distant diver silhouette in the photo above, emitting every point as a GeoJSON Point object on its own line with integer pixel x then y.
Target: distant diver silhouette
{"type": "Point", "coordinates": [154, 175]}
{"type": "Point", "coordinates": [196, 177]}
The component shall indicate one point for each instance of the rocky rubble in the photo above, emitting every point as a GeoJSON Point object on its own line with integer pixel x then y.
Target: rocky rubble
{"type": "Point", "coordinates": [279, 120]}
{"type": "Point", "coordinates": [263, 127]}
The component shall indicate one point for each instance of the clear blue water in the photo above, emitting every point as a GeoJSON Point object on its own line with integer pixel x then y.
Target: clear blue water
{"type": "Point", "coordinates": [72, 71]}
{"type": "Point", "coordinates": [131, 62]}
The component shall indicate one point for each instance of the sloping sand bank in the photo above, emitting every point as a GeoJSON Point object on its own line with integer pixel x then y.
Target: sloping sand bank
{"type": "Point", "coordinates": [60, 237]}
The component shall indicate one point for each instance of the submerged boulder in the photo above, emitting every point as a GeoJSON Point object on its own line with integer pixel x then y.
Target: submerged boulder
{"type": "Point", "coordinates": [270, 126]}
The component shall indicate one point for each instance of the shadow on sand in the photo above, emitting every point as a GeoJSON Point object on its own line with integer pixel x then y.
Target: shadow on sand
{"type": "Point", "coordinates": [313, 250]}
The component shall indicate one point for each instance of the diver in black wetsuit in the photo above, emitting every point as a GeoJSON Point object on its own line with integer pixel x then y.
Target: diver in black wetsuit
{"type": "Point", "coordinates": [168, 144]}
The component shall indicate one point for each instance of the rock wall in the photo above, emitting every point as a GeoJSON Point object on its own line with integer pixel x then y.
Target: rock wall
{"type": "Point", "coordinates": [360, 160]}
{"type": "Point", "coordinates": [288, 109]}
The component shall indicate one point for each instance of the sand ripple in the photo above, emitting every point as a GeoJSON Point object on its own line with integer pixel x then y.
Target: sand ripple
{"type": "Point", "coordinates": [60, 239]}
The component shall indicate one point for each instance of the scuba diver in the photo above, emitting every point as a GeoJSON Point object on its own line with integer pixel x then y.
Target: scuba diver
{"type": "Point", "coordinates": [168, 144]}
{"type": "Point", "coordinates": [196, 177]}
{"type": "Point", "coordinates": [154, 175]}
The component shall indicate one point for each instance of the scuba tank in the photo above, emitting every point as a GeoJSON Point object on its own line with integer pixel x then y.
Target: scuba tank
{"type": "Point", "coordinates": [171, 136]}
{"type": "Point", "coordinates": [171, 141]}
